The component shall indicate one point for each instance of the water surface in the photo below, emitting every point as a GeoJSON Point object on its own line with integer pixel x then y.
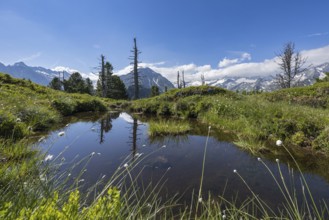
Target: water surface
{"type": "Point", "coordinates": [117, 136]}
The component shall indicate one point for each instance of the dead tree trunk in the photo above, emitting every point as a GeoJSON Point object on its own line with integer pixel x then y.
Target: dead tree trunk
{"type": "Point", "coordinates": [136, 81]}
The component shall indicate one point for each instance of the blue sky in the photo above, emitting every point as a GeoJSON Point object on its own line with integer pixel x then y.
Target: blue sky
{"type": "Point", "coordinates": [203, 35]}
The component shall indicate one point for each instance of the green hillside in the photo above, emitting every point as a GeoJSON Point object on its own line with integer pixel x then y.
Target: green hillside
{"type": "Point", "coordinates": [26, 107]}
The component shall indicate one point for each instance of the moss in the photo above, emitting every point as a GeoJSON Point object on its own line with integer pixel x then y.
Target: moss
{"type": "Point", "coordinates": [322, 141]}
{"type": "Point", "coordinates": [298, 139]}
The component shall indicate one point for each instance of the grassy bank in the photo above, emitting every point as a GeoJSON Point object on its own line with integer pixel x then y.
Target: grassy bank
{"type": "Point", "coordinates": [254, 119]}
{"type": "Point", "coordinates": [26, 107]}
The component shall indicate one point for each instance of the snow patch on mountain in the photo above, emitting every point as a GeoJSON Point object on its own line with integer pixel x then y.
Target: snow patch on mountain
{"type": "Point", "coordinates": [92, 76]}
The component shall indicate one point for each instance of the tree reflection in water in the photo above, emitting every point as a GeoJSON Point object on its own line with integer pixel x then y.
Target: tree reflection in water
{"type": "Point", "coordinates": [106, 124]}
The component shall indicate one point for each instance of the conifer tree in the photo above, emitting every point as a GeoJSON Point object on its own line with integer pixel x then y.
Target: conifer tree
{"type": "Point", "coordinates": [75, 84]}
{"type": "Point", "coordinates": [89, 87]}
{"type": "Point", "coordinates": [55, 83]}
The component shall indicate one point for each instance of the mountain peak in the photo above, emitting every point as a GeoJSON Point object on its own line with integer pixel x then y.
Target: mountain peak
{"type": "Point", "coordinates": [147, 79]}
{"type": "Point", "coordinates": [21, 64]}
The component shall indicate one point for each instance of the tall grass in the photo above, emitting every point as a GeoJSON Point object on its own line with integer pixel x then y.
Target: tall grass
{"type": "Point", "coordinates": [168, 127]}
{"type": "Point", "coordinates": [46, 191]}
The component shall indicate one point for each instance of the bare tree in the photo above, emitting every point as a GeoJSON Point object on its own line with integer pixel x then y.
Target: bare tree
{"type": "Point", "coordinates": [178, 81]}
{"type": "Point", "coordinates": [135, 52]}
{"type": "Point", "coordinates": [183, 80]}
{"type": "Point", "coordinates": [291, 64]}
{"type": "Point", "coordinates": [203, 81]}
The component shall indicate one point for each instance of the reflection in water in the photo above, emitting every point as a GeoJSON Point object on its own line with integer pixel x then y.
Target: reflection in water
{"type": "Point", "coordinates": [106, 124]}
{"type": "Point", "coordinates": [163, 140]}
{"type": "Point", "coordinates": [134, 138]}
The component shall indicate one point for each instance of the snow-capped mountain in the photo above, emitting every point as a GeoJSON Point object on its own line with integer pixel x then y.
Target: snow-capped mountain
{"type": "Point", "coordinates": [147, 79]}
{"type": "Point", "coordinates": [92, 76]}
{"type": "Point", "coordinates": [41, 75]}
{"type": "Point", "coordinates": [267, 83]}
{"type": "Point", "coordinates": [38, 75]}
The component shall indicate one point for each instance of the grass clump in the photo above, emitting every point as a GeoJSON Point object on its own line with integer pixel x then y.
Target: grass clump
{"type": "Point", "coordinates": [168, 127]}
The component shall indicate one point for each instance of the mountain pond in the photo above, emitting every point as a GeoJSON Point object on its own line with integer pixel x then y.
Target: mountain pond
{"type": "Point", "coordinates": [116, 140]}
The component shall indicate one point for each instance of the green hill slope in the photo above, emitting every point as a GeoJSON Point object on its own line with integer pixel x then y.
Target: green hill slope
{"type": "Point", "coordinates": [26, 107]}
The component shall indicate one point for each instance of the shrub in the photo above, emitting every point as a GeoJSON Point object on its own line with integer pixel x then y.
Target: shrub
{"type": "Point", "coordinates": [89, 105]}
{"type": "Point", "coordinates": [65, 106]}
{"type": "Point", "coordinates": [322, 141]}
{"type": "Point", "coordinates": [164, 109]}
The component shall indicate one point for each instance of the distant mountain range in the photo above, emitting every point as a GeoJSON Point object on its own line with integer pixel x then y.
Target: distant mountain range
{"type": "Point", "coordinates": [148, 78]}
{"type": "Point", "coordinates": [42, 76]}
{"type": "Point", "coordinates": [38, 75]}
{"type": "Point", "coordinates": [267, 83]}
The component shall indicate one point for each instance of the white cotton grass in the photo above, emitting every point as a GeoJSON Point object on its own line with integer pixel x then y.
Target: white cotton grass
{"type": "Point", "coordinates": [200, 199]}
{"type": "Point", "coordinates": [48, 157]}
{"type": "Point", "coordinates": [259, 159]}
{"type": "Point", "coordinates": [278, 143]}
{"type": "Point", "coordinates": [235, 171]}
{"type": "Point", "coordinates": [125, 165]}
{"type": "Point", "coordinates": [62, 133]}
{"type": "Point", "coordinates": [42, 139]}
{"type": "Point", "coordinates": [277, 160]}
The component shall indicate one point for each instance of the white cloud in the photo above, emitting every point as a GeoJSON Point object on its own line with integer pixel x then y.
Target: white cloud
{"type": "Point", "coordinates": [316, 56]}
{"type": "Point", "coordinates": [229, 62]}
{"type": "Point", "coordinates": [318, 34]}
{"type": "Point", "coordinates": [241, 69]}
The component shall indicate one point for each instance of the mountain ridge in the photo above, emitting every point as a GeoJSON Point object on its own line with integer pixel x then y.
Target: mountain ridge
{"type": "Point", "coordinates": [149, 77]}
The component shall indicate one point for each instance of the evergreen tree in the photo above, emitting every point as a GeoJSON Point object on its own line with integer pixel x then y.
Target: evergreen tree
{"type": "Point", "coordinates": [118, 88]}
{"type": "Point", "coordinates": [154, 91]}
{"type": "Point", "coordinates": [75, 84]}
{"type": "Point", "coordinates": [108, 74]}
{"type": "Point", "coordinates": [89, 89]}
{"type": "Point", "coordinates": [55, 83]}
{"type": "Point", "coordinates": [102, 80]}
